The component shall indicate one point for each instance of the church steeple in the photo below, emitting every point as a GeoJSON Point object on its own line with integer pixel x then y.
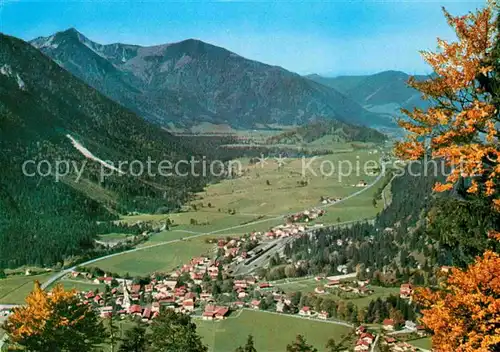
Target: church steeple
{"type": "Point", "coordinates": [126, 296]}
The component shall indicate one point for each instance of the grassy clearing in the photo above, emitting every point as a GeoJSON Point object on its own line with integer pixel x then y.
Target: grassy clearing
{"type": "Point", "coordinates": [160, 258]}
{"type": "Point", "coordinates": [270, 190]}
{"type": "Point", "coordinates": [114, 237]}
{"type": "Point", "coordinates": [425, 343]}
{"type": "Point", "coordinates": [309, 285]}
{"type": "Point", "coordinates": [381, 292]}
{"type": "Point", "coordinates": [271, 332]}
{"type": "Point", "coordinates": [78, 285]}
{"type": "Point", "coordinates": [14, 289]}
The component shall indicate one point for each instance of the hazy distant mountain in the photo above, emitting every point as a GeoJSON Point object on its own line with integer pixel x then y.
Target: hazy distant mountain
{"type": "Point", "coordinates": [192, 81]}
{"type": "Point", "coordinates": [385, 92]}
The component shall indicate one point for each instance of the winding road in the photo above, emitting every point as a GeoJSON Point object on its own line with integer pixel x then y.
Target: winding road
{"type": "Point", "coordinates": [60, 274]}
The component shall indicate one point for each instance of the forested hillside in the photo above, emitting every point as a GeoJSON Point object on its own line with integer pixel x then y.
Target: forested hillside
{"type": "Point", "coordinates": [401, 243]}
{"type": "Point", "coordinates": [43, 221]}
{"type": "Point", "coordinates": [342, 132]}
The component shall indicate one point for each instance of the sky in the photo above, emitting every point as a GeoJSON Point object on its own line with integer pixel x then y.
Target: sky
{"type": "Point", "coordinates": [325, 37]}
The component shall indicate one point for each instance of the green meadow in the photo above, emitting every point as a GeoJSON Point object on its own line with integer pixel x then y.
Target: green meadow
{"type": "Point", "coordinates": [271, 332]}
{"type": "Point", "coordinates": [15, 288]}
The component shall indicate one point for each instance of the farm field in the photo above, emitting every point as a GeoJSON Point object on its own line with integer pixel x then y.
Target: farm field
{"type": "Point", "coordinates": [271, 332]}
{"type": "Point", "coordinates": [162, 258]}
{"type": "Point", "coordinates": [310, 284]}
{"type": "Point", "coordinates": [262, 195]}
{"type": "Point", "coordinates": [79, 285]}
{"type": "Point", "coordinates": [381, 292]}
{"type": "Point", "coordinates": [270, 190]}
{"type": "Point", "coordinates": [425, 343]}
{"type": "Point", "coordinates": [14, 289]}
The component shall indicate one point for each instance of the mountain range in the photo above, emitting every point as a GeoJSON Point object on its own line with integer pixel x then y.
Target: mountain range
{"type": "Point", "coordinates": [48, 115]}
{"type": "Point", "coordinates": [383, 93]}
{"type": "Point", "coordinates": [192, 81]}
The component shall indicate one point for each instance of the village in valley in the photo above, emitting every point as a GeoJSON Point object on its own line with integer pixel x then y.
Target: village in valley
{"type": "Point", "coordinates": [218, 288]}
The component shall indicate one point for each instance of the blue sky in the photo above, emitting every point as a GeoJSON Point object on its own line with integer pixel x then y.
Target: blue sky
{"type": "Point", "coordinates": [332, 37]}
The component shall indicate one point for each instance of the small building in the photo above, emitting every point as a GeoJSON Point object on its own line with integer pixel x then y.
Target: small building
{"type": "Point", "coordinates": [360, 329]}
{"type": "Point", "coordinates": [323, 315]}
{"type": "Point", "coordinates": [280, 306]}
{"type": "Point", "coordinates": [306, 311]}
{"type": "Point", "coordinates": [409, 325]}
{"type": "Point", "coordinates": [332, 283]}
{"type": "Point", "coordinates": [388, 325]}
{"type": "Point", "coordinates": [389, 340]}
{"type": "Point", "coordinates": [319, 290]}
{"type": "Point", "coordinates": [221, 313]}
{"type": "Point", "coordinates": [188, 305]}
{"type": "Point", "coordinates": [255, 304]}
{"type": "Point", "coordinates": [146, 314]}
{"type": "Point", "coordinates": [361, 346]}
{"type": "Point", "coordinates": [135, 309]}
{"type": "Point", "coordinates": [366, 336]}
{"type": "Point", "coordinates": [405, 291]}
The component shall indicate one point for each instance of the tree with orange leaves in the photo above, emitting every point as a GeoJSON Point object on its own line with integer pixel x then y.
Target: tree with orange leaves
{"type": "Point", "coordinates": [461, 126]}
{"type": "Point", "coordinates": [465, 313]}
{"type": "Point", "coordinates": [54, 321]}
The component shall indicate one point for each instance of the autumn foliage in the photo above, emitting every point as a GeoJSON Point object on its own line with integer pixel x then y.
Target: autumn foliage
{"type": "Point", "coordinates": [53, 321]}
{"type": "Point", "coordinates": [460, 127]}
{"type": "Point", "coordinates": [465, 313]}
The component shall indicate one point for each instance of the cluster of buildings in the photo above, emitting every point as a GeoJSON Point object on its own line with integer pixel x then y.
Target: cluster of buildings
{"type": "Point", "coordinates": [306, 215]}
{"type": "Point", "coordinates": [283, 231]}
{"type": "Point", "coordinates": [364, 339]}
{"type": "Point", "coordinates": [329, 200]}
{"type": "Point", "coordinates": [143, 301]}
{"type": "Point", "coordinates": [309, 312]}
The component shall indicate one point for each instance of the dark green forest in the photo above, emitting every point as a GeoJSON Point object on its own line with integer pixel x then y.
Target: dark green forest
{"type": "Point", "coordinates": [42, 221]}
{"type": "Point", "coordinates": [325, 127]}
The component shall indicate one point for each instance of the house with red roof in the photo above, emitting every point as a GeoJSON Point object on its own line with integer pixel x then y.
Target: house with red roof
{"type": "Point", "coordinates": [389, 340]}
{"type": "Point", "coordinates": [405, 291]}
{"type": "Point", "coordinates": [361, 346]}
{"type": "Point", "coordinates": [305, 311]}
{"type": "Point", "coordinates": [323, 315]}
{"type": "Point", "coordinates": [99, 280]}
{"type": "Point", "coordinates": [146, 314]}
{"type": "Point", "coordinates": [264, 285]}
{"type": "Point", "coordinates": [367, 337]}
{"type": "Point", "coordinates": [360, 329]}
{"type": "Point", "coordinates": [388, 324]}
{"type": "Point", "coordinates": [221, 313]}
{"type": "Point", "coordinates": [188, 305]}
{"type": "Point", "coordinates": [332, 283]}
{"type": "Point", "coordinates": [255, 304]}
{"type": "Point", "coordinates": [135, 309]}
